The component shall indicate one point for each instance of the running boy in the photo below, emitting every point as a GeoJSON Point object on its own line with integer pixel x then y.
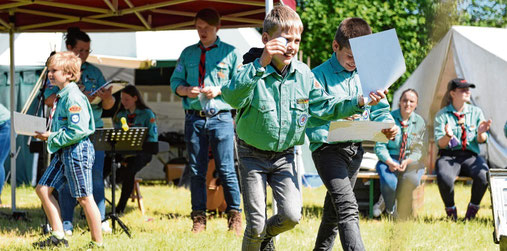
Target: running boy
{"type": "Point", "coordinates": [274, 96]}
{"type": "Point", "coordinates": [67, 139]}
{"type": "Point", "coordinates": [338, 162]}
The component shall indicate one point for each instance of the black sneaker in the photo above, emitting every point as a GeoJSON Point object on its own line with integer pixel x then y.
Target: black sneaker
{"type": "Point", "coordinates": [51, 241]}
{"type": "Point", "coordinates": [267, 244]}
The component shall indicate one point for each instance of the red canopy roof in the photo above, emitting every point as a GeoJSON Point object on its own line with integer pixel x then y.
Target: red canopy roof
{"type": "Point", "coordinates": [125, 15]}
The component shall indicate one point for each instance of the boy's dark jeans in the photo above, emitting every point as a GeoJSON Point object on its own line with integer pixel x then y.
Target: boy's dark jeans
{"type": "Point", "coordinates": [338, 165]}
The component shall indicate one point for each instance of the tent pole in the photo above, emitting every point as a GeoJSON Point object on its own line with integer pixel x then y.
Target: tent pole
{"type": "Point", "coordinates": [269, 6]}
{"type": "Point", "coordinates": [13, 107]}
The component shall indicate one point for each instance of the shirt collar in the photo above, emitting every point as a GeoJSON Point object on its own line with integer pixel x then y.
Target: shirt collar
{"type": "Point", "coordinates": [84, 66]}
{"type": "Point", "coordinates": [397, 115]}
{"type": "Point", "coordinates": [66, 89]}
{"type": "Point", "coordinates": [217, 43]}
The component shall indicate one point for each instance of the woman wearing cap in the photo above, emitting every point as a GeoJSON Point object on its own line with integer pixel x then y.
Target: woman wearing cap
{"type": "Point", "coordinates": [459, 129]}
{"type": "Point", "coordinates": [399, 167]}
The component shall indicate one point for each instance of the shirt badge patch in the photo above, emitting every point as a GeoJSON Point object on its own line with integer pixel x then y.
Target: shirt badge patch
{"type": "Point", "coordinates": [302, 101]}
{"type": "Point", "coordinates": [62, 118]}
{"type": "Point", "coordinates": [303, 119]}
{"type": "Point", "coordinates": [152, 120]}
{"type": "Point", "coordinates": [74, 109]}
{"type": "Point", "coordinates": [75, 118]}
{"type": "Point", "coordinates": [179, 68]}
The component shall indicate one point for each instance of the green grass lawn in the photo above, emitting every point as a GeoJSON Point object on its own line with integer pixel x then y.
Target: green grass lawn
{"type": "Point", "coordinates": [166, 225]}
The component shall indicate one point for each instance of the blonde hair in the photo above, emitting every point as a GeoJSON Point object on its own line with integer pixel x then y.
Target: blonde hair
{"type": "Point", "coordinates": [283, 17]}
{"type": "Point", "coordinates": [68, 62]}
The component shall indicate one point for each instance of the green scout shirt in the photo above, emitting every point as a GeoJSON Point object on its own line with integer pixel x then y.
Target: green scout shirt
{"type": "Point", "coordinates": [274, 109]}
{"type": "Point", "coordinates": [91, 79]}
{"type": "Point", "coordinates": [415, 140]}
{"type": "Point", "coordinates": [72, 120]}
{"type": "Point", "coordinates": [140, 118]}
{"type": "Point", "coordinates": [221, 64]}
{"type": "Point", "coordinates": [341, 83]}
{"type": "Point", "coordinates": [5, 114]}
{"type": "Point", "coordinates": [473, 118]}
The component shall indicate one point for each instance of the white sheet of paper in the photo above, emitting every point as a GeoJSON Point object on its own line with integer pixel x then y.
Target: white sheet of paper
{"type": "Point", "coordinates": [27, 124]}
{"type": "Point", "coordinates": [378, 59]}
{"type": "Point", "coordinates": [116, 88]}
{"type": "Point", "coordinates": [358, 130]}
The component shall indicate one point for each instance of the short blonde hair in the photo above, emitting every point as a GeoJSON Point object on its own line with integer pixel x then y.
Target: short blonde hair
{"type": "Point", "coordinates": [68, 62]}
{"type": "Point", "coordinates": [283, 17]}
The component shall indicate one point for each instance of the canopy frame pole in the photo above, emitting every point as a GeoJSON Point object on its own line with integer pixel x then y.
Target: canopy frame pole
{"type": "Point", "coordinates": [12, 108]}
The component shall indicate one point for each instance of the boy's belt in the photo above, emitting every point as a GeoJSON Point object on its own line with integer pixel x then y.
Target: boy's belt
{"type": "Point", "coordinates": [254, 149]}
{"type": "Point", "coordinates": [201, 113]}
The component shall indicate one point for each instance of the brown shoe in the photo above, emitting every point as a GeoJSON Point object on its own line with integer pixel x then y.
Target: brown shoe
{"type": "Point", "coordinates": [234, 222]}
{"type": "Point", "coordinates": [199, 219]}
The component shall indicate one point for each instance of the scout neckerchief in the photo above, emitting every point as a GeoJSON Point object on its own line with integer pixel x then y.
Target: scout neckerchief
{"type": "Point", "coordinates": [202, 63]}
{"type": "Point", "coordinates": [130, 119]}
{"type": "Point", "coordinates": [461, 121]}
{"type": "Point", "coordinates": [404, 130]}
{"type": "Point", "coordinates": [53, 109]}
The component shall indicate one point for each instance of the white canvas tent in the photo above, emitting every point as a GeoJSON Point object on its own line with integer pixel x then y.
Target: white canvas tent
{"type": "Point", "coordinates": [478, 55]}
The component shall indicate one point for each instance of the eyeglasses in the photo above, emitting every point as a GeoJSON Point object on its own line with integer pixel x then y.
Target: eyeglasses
{"type": "Point", "coordinates": [83, 51]}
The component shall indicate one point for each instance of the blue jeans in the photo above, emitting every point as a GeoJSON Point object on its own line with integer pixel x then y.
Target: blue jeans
{"type": "Point", "coordinates": [407, 180]}
{"type": "Point", "coordinates": [5, 137]}
{"type": "Point", "coordinates": [200, 134]}
{"type": "Point", "coordinates": [279, 171]}
{"type": "Point", "coordinates": [68, 203]}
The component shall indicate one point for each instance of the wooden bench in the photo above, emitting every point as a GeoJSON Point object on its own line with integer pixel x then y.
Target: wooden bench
{"type": "Point", "coordinates": [136, 194]}
{"type": "Point", "coordinates": [418, 194]}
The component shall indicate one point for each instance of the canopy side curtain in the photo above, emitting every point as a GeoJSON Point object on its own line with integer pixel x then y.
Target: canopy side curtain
{"type": "Point", "coordinates": [25, 81]}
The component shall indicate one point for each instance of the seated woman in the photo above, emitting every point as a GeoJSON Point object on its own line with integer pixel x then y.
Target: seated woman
{"type": "Point", "coordinates": [459, 129]}
{"type": "Point", "coordinates": [137, 114]}
{"type": "Point", "coordinates": [399, 168]}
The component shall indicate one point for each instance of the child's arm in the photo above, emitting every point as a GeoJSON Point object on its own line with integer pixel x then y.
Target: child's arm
{"type": "Point", "coordinates": [78, 126]}
{"type": "Point", "coordinates": [239, 91]}
{"type": "Point", "coordinates": [178, 82]}
{"type": "Point", "coordinates": [152, 127]}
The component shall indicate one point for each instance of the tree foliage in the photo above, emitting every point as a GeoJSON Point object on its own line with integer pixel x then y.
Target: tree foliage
{"type": "Point", "coordinates": [419, 24]}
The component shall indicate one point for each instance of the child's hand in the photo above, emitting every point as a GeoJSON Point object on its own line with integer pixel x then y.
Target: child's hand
{"type": "Point", "coordinates": [90, 98]}
{"type": "Point", "coordinates": [484, 126]}
{"type": "Point", "coordinates": [211, 91]}
{"type": "Point", "coordinates": [390, 133]}
{"type": "Point", "coordinates": [42, 135]}
{"type": "Point", "coordinates": [193, 91]}
{"type": "Point", "coordinates": [376, 97]}
{"type": "Point", "coordinates": [105, 93]}
{"type": "Point", "coordinates": [272, 47]}
{"type": "Point", "coordinates": [404, 164]}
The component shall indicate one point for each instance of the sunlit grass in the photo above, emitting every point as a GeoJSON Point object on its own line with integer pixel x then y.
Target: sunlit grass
{"type": "Point", "coordinates": [166, 225]}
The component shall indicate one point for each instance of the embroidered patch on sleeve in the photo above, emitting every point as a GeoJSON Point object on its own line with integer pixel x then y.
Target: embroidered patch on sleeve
{"type": "Point", "coordinates": [179, 68]}
{"type": "Point", "coordinates": [75, 109]}
{"type": "Point", "coordinates": [75, 118]}
{"type": "Point", "coordinates": [152, 120]}
{"type": "Point", "coordinates": [302, 101]}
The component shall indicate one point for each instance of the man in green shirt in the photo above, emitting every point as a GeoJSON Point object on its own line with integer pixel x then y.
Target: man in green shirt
{"type": "Point", "coordinates": [338, 162]}
{"type": "Point", "coordinates": [275, 94]}
{"type": "Point", "coordinates": [202, 69]}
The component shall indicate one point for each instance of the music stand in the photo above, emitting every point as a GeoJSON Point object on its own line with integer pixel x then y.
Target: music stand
{"type": "Point", "coordinates": [113, 141]}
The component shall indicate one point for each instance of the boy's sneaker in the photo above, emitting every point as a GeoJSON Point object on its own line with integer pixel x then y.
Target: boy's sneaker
{"type": "Point", "coordinates": [106, 229]}
{"type": "Point", "coordinates": [93, 246]}
{"type": "Point", "coordinates": [68, 228]}
{"type": "Point", "coordinates": [379, 207]}
{"type": "Point", "coordinates": [471, 211]}
{"type": "Point", "coordinates": [267, 244]}
{"type": "Point", "coordinates": [199, 221]}
{"type": "Point", "coordinates": [50, 242]}
{"type": "Point", "coordinates": [452, 213]}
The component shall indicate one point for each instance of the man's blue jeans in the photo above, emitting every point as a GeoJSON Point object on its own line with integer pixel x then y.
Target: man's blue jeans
{"type": "Point", "coordinates": [5, 136]}
{"type": "Point", "coordinates": [68, 203]}
{"type": "Point", "coordinates": [216, 132]}
{"type": "Point", "coordinates": [258, 168]}
{"type": "Point", "coordinates": [399, 185]}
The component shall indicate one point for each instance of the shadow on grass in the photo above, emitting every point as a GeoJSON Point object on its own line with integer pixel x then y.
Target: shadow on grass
{"type": "Point", "coordinates": [480, 220]}
{"type": "Point", "coordinates": [35, 218]}
{"type": "Point", "coordinates": [312, 211]}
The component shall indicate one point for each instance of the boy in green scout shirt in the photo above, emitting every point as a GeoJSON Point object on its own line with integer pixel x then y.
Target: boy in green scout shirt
{"type": "Point", "coordinates": [70, 124]}
{"type": "Point", "coordinates": [202, 69]}
{"type": "Point", "coordinates": [338, 162]}
{"type": "Point", "coordinates": [275, 95]}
